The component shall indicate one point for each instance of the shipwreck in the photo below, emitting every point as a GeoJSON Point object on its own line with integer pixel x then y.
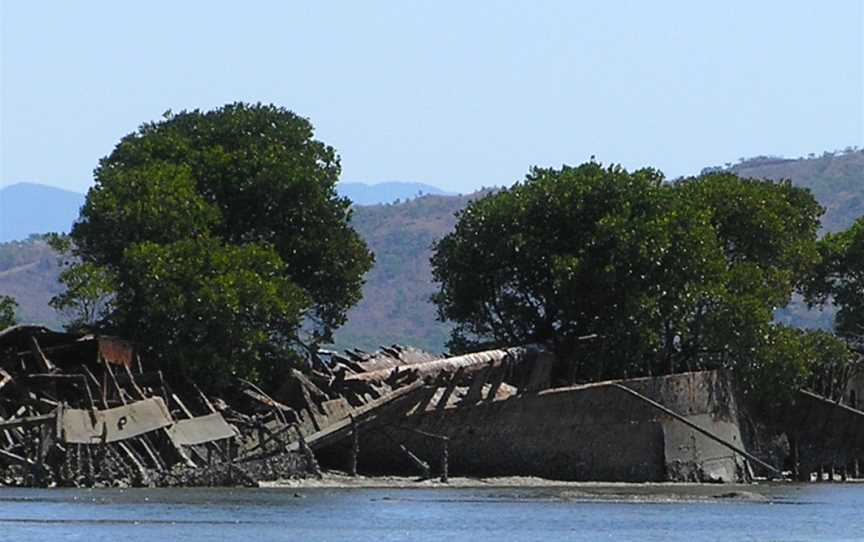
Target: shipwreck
{"type": "Point", "coordinates": [85, 410]}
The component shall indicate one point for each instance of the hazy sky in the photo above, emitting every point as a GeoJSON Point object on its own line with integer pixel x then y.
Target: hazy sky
{"type": "Point", "coordinates": [456, 94]}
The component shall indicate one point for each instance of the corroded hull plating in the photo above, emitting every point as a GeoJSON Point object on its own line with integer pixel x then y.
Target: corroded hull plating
{"type": "Point", "coordinates": [592, 432]}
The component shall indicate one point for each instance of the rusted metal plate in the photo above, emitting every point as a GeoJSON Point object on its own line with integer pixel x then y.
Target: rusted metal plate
{"type": "Point", "coordinates": [829, 426]}
{"type": "Point", "coordinates": [200, 430]}
{"type": "Point", "coordinates": [116, 351]}
{"type": "Point", "coordinates": [114, 424]}
{"type": "Point", "coordinates": [390, 358]}
{"type": "Point", "coordinates": [393, 404]}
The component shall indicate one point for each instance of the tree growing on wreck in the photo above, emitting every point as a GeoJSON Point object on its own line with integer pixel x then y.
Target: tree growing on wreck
{"type": "Point", "coordinates": [669, 276]}
{"type": "Point", "coordinates": [839, 278]}
{"type": "Point", "coordinates": [224, 237]}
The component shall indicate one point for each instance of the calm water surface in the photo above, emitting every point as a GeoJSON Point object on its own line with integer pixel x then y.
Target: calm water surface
{"type": "Point", "coordinates": [822, 512]}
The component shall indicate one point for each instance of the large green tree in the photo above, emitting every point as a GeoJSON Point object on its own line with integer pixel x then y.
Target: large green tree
{"type": "Point", "coordinates": [228, 215]}
{"type": "Point", "coordinates": [668, 276]}
{"type": "Point", "coordinates": [573, 252]}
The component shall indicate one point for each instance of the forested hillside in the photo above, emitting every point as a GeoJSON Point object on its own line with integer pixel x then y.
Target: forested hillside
{"type": "Point", "coordinates": [395, 305]}
{"type": "Point", "coordinates": [28, 272]}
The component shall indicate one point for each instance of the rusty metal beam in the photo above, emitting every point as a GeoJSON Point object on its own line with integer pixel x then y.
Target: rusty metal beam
{"type": "Point", "coordinates": [451, 387]}
{"type": "Point", "coordinates": [475, 391]}
{"type": "Point", "coordinates": [28, 422]}
{"type": "Point", "coordinates": [498, 375]}
{"type": "Point", "coordinates": [471, 363]}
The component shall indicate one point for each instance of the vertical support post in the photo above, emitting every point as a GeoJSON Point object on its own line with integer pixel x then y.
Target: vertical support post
{"type": "Point", "coordinates": [445, 460]}
{"type": "Point", "coordinates": [796, 460]}
{"type": "Point", "coordinates": [355, 447]}
{"type": "Point", "coordinates": [308, 453]}
{"type": "Point", "coordinates": [856, 469]}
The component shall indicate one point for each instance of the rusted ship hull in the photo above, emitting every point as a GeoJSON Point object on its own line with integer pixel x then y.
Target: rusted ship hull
{"type": "Point", "coordinates": [594, 432]}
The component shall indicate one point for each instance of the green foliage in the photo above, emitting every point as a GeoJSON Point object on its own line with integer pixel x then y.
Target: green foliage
{"type": "Point", "coordinates": [775, 365]}
{"type": "Point", "coordinates": [833, 364]}
{"type": "Point", "coordinates": [209, 309]}
{"type": "Point", "coordinates": [246, 181]}
{"type": "Point", "coordinates": [835, 179]}
{"type": "Point", "coordinates": [87, 295]}
{"type": "Point", "coordinates": [156, 202]}
{"type": "Point", "coordinates": [8, 307]}
{"type": "Point", "coordinates": [770, 226]}
{"type": "Point", "coordinates": [669, 276]}
{"type": "Point", "coordinates": [840, 279]}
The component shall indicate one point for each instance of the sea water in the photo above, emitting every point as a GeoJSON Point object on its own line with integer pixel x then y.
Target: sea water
{"type": "Point", "coordinates": [824, 512]}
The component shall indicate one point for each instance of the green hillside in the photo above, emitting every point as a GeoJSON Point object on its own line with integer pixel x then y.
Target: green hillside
{"type": "Point", "coordinates": [28, 272]}
{"type": "Point", "coordinates": [396, 306]}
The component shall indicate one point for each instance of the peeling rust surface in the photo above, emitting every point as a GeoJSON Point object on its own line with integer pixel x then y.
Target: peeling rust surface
{"type": "Point", "coordinates": [116, 351]}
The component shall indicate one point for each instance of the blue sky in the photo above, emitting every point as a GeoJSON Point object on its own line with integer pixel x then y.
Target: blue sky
{"type": "Point", "coordinates": [455, 94]}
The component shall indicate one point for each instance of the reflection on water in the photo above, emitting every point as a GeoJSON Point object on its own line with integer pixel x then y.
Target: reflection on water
{"type": "Point", "coordinates": [781, 512]}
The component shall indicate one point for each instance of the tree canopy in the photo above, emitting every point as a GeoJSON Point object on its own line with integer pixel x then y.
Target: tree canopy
{"type": "Point", "coordinates": [839, 279]}
{"type": "Point", "coordinates": [8, 305]}
{"type": "Point", "coordinates": [668, 276]}
{"type": "Point", "coordinates": [222, 233]}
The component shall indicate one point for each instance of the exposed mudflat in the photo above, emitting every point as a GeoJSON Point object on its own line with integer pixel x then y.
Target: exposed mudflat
{"type": "Point", "coordinates": [559, 490]}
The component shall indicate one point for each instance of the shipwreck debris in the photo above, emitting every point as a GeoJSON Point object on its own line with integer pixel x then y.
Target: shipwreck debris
{"type": "Point", "coordinates": [81, 411]}
{"type": "Point", "coordinates": [85, 411]}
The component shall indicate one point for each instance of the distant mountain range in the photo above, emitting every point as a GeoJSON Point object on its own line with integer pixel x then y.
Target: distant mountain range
{"type": "Point", "coordinates": [395, 306]}
{"type": "Point", "coordinates": [30, 208]}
